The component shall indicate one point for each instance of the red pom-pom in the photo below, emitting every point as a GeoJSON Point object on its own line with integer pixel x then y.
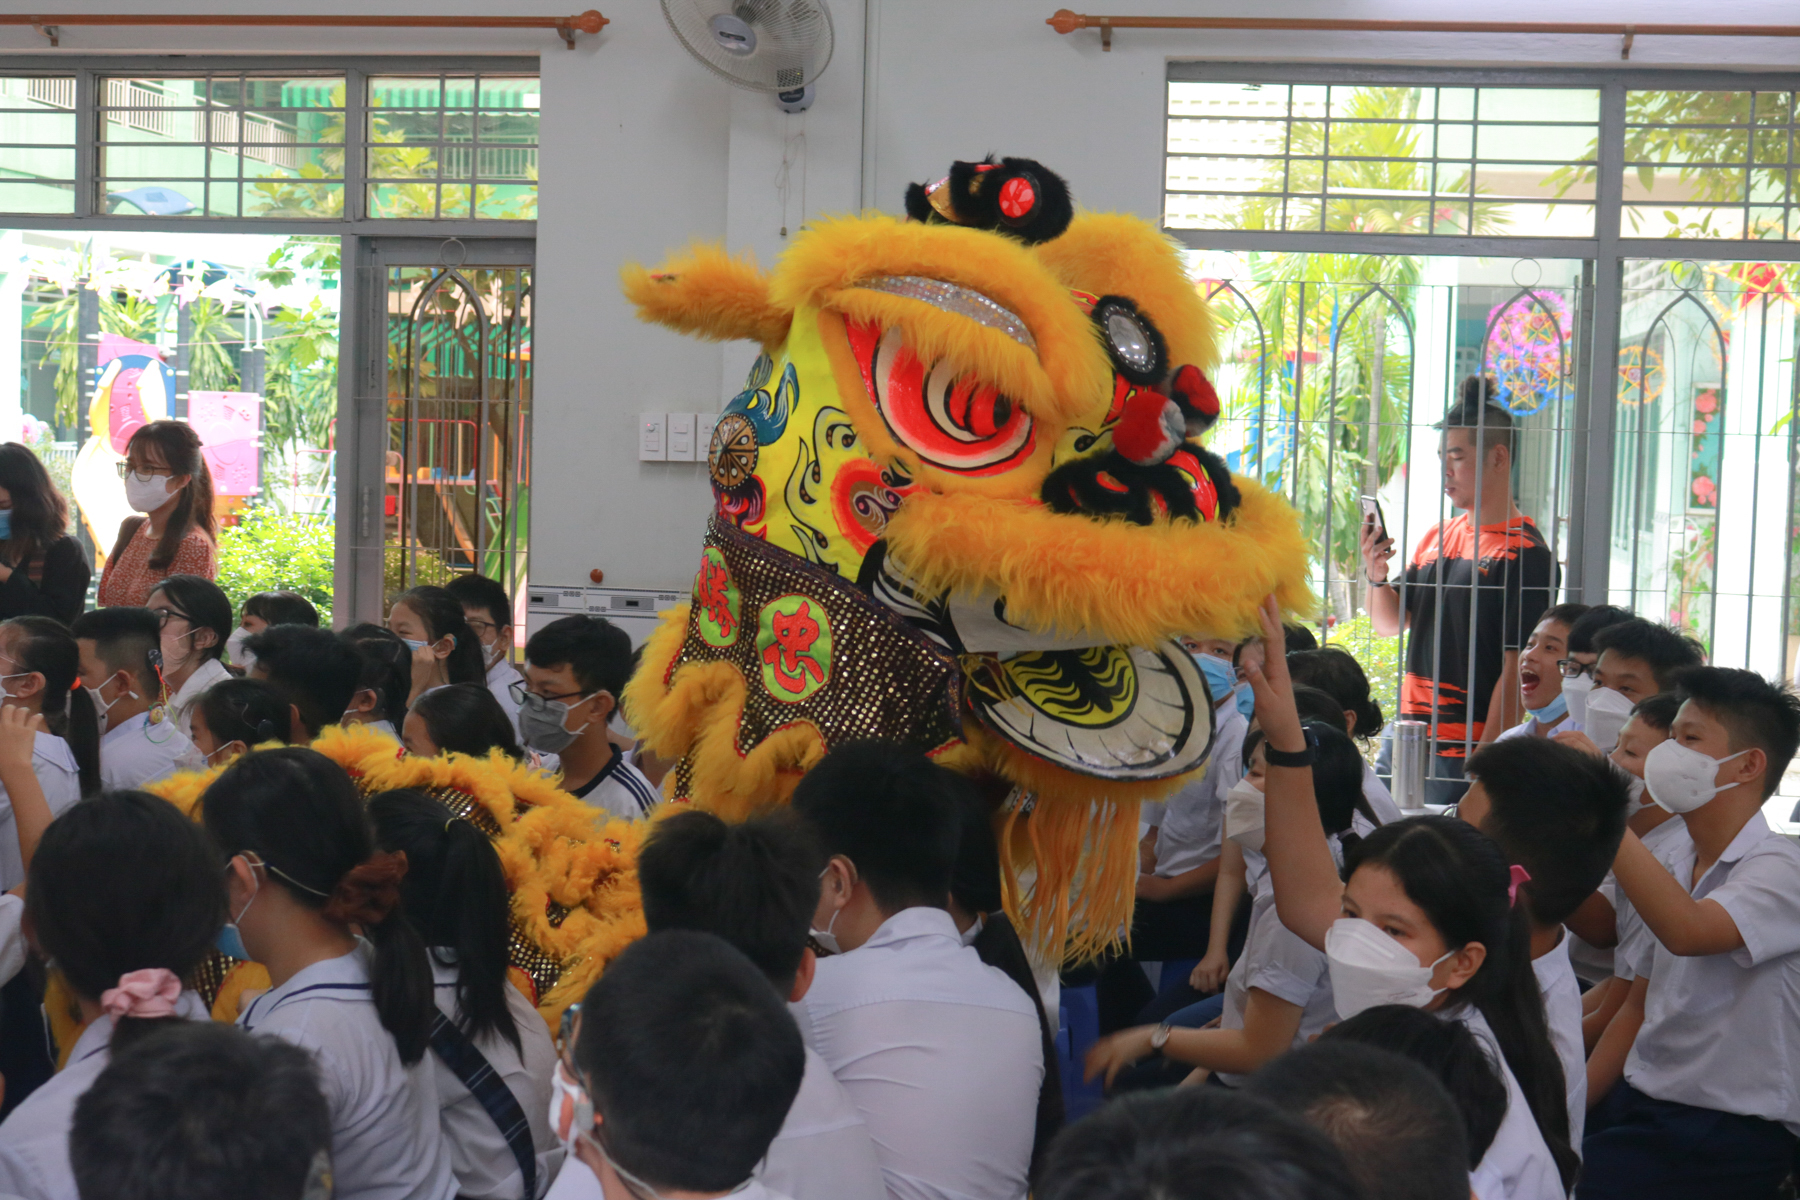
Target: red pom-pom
{"type": "Point", "coordinates": [1195, 390]}
{"type": "Point", "coordinates": [1147, 432]}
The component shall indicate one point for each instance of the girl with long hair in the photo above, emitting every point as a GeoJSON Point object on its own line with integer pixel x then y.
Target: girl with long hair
{"type": "Point", "coordinates": [444, 649]}
{"type": "Point", "coordinates": [43, 570]}
{"type": "Point", "coordinates": [237, 716]}
{"type": "Point", "coordinates": [385, 681]}
{"type": "Point", "coordinates": [455, 895]}
{"type": "Point", "coordinates": [39, 666]}
{"type": "Point", "coordinates": [167, 481]}
{"type": "Point", "coordinates": [195, 615]}
{"type": "Point", "coordinates": [463, 718]}
{"type": "Point", "coordinates": [1423, 914]}
{"type": "Point", "coordinates": [303, 876]}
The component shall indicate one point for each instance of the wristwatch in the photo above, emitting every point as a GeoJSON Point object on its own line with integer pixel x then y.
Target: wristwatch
{"type": "Point", "coordinates": [1159, 1037]}
{"type": "Point", "coordinates": [1293, 758]}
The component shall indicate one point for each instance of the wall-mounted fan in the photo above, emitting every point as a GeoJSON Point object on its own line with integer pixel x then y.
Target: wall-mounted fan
{"type": "Point", "coordinates": [774, 46]}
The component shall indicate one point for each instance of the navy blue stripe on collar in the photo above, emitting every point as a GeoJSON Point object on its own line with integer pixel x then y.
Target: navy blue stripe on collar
{"type": "Point", "coordinates": [309, 989]}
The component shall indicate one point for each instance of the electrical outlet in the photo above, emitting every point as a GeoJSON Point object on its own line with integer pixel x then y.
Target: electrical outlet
{"type": "Point", "coordinates": [652, 442]}
{"type": "Point", "coordinates": [681, 437]}
{"type": "Point", "coordinates": [704, 424]}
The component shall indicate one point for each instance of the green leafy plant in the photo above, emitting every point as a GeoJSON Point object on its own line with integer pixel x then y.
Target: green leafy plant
{"type": "Point", "coordinates": [1380, 657]}
{"type": "Point", "coordinates": [269, 550]}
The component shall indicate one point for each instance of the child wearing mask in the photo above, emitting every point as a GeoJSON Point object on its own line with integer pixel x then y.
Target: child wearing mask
{"type": "Point", "coordinates": [238, 715]}
{"type": "Point", "coordinates": [444, 650]}
{"type": "Point", "coordinates": [488, 610]}
{"type": "Point", "coordinates": [261, 611]}
{"type": "Point", "coordinates": [575, 669]}
{"type": "Point", "coordinates": [1424, 915]}
{"type": "Point", "coordinates": [384, 681]}
{"type": "Point", "coordinates": [39, 664]}
{"type": "Point", "coordinates": [1541, 677]}
{"type": "Point", "coordinates": [1710, 1100]}
{"type": "Point", "coordinates": [196, 621]}
{"type": "Point", "coordinates": [141, 742]}
{"type": "Point", "coordinates": [303, 876]}
{"type": "Point", "coordinates": [1635, 660]}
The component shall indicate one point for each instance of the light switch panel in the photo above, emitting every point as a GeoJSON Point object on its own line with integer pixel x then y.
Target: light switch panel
{"type": "Point", "coordinates": [652, 439]}
{"type": "Point", "coordinates": [681, 437]}
{"type": "Point", "coordinates": [704, 424]}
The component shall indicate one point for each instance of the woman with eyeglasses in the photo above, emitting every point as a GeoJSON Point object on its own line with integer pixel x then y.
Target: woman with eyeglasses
{"type": "Point", "coordinates": [43, 571]}
{"type": "Point", "coordinates": [195, 615]}
{"type": "Point", "coordinates": [166, 480]}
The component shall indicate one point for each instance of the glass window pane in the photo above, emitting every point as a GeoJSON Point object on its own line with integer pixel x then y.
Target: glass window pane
{"type": "Point", "coordinates": [35, 196]}
{"type": "Point", "coordinates": [507, 203]}
{"type": "Point", "coordinates": [466, 128]}
{"type": "Point", "coordinates": [37, 143]}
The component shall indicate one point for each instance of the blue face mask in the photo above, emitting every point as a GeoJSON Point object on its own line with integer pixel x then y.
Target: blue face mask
{"type": "Point", "coordinates": [230, 942]}
{"type": "Point", "coordinates": [5, 523]}
{"type": "Point", "coordinates": [1246, 698]}
{"type": "Point", "coordinates": [1221, 679]}
{"type": "Point", "coordinates": [1552, 712]}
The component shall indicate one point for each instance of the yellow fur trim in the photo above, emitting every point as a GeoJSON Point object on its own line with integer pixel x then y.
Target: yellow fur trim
{"type": "Point", "coordinates": [66, 1025]}
{"type": "Point", "coordinates": [245, 978]}
{"type": "Point", "coordinates": [1121, 255]}
{"type": "Point", "coordinates": [709, 294]}
{"type": "Point", "coordinates": [1068, 377]}
{"type": "Point", "coordinates": [1131, 584]}
{"type": "Point", "coordinates": [1070, 876]}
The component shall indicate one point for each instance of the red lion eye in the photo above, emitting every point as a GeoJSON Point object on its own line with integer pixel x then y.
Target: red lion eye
{"type": "Point", "coordinates": [1017, 198]}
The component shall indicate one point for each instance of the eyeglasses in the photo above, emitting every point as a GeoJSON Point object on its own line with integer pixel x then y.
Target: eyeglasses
{"type": "Point", "coordinates": [535, 702]}
{"type": "Point", "coordinates": [164, 615]}
{"type": "Point", "coordinates": [481, 627]}
{"type": "Point", "coordinates": [1572, 668]}
{"type": "Point", "coordinates": [145, 475]}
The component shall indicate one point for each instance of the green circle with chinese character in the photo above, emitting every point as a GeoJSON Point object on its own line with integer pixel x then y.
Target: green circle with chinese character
{"type": "Point", "coordinates": [793, 640]}
{"type": "Point", "coordinates": [718, 607]}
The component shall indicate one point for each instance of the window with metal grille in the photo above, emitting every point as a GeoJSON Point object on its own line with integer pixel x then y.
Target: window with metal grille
{"type": "Point", "coordinates": [37, 144]}
{"type": "Point", "coordinates": [455, 146]}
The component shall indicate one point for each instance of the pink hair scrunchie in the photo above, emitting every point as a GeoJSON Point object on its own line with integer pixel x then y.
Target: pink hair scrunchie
{"type": "Point", "coordinates": [147, 994]}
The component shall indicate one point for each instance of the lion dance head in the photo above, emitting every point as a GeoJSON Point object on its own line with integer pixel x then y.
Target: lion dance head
{"type": "Point", "coordinates": [961, 502]}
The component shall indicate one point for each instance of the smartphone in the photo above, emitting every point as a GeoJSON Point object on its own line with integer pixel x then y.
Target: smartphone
{"type": "Point", "coordinates": [1371, 511]}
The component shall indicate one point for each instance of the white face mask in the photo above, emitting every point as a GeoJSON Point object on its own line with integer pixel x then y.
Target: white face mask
{"type": "Point", "coordinates": [1369, 968]}
{"type": "Point", "coordinates": [1244, 815]}
{"type": "Point", "coordinates": [824, 936]}
{"type": "Point", "coordinates": [1575, 691]}
{"type": "Point", "coordinates": [1680, 778]}
{"type": "Point", "coordinates": [146, 493]}
{"type": "Point", "coordinates": [1607, 712]}
{"type": "Point", "coordinates": [1638, 801]}
{"type": "Point", "coordinates": [102, 706]}
{"type": "Point", "coordinates": [234, 649]}
{"type": "Point", "coordinates": [571, 1111]}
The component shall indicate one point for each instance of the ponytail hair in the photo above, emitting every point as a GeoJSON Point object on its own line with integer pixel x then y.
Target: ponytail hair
{"type": "Point", "coordinates": [299, 813]}
{"type": "Point", "coordinates": [455, 896]}
{"type": "Point", "coordinates": [386, 669]}
{"type": "Point", "coordinates": [251, 711]}
{"type": "Point", "coordinates": [442, 615]}
{"type": "Point", "coordinates": [1332, 670]}
{"type": "Point", "coordinates": [1337, 783]}
{"type": "Point", "coordinates": [47, 647]}
{"type": "Point", "coordinates": [179, 447]}
{"type": "Point", "coordinates": [1459, 877]}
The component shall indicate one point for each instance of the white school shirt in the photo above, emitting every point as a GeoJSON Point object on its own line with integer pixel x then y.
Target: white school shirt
{"type": "Point", "coordinates": [1562, 1010]}
{"type": "Point", "coordinates": [500, 677]}
{"type": "Point", "coordinates": [577, 1182]}
{"type": "Point", "coordinates": [1281, 964]}
{"type": "Point", "coordinates": [34, 1141]}
{"type": "Point", "coordinates": [383, 726]}
{"type": "Point", "coordinates": [136, 752]}
{"type": "Point", "coordinates": [1381, 801]}
{"type": "Point", "coordinates": [12, 938]}
{"type": "Point", "coordinates": [483, 1163]}
{"type": "Point", "coordinates": [823, 1151]}
{"type": "Point", "coordinates": [940, 1053]}
{"type": "Point", "coordinates": [1722, 1031]}
{"type": "Point", "coordinates": [1518, 1164]}
{"type": "Point", "coordinates": [1193, 819]}
{"type": "Point", "coordinates": [385, 1140]}
{"type": "Point", "coordinates": [1632, 954]}
{"type": "Point", "coordinates": [187, 696]}
{"type": "Point", "coordinates": [1529, 728]}
{"type": "Point", "coordinates": [54, 765]}
{"type": "Point", "coordinates": [619, 789]}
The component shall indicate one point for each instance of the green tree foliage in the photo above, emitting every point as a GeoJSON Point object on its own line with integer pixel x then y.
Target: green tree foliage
{"type": "Point", "coordinates": [269, 550]}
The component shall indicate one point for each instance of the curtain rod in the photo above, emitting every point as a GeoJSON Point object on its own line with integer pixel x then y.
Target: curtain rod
{"type": "Point", "coordinates": [1066, 22]}
{"type": "Point", "coordinates": [50, 25]}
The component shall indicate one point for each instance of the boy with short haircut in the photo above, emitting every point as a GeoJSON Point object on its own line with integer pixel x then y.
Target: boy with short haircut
{"type": "Point", "coordinates": [1540, 676]}
{"type": "Point", "coordinates": [141, 741]}
{"type": "Point", "coordinates": [682, 1066]}
{"type": "Point", "coordinates": [756, 885]}
{"type": "Point", "coordinates": [1635, 660]}
{"type": "Point", "coordinates": [1558, 814]}
{"type": "Point", "coordinates": [488, 610]}
{"type": "Point", "coordinates": [575, 669]}
{"type": "Point", "coordinates": [1710, 1102]}
{"type": "Point", "coordinates": [315, 669]}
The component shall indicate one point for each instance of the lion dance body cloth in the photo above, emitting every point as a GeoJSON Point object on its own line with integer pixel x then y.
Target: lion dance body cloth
{"type": "Point", "coordinates": [960, 503]}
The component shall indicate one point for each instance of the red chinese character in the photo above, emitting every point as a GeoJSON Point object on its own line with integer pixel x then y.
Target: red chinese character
{"type": "Point", "coordinates": [789, 657]}
{"type": "Point", "coordinates": [714, 582]}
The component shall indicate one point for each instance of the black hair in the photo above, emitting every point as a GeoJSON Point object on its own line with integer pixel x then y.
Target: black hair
{"type": "Point", "coordinates": [204, 604]}
{"type": "Point", "coordinates": [691, 1059]}
{"type": "Point", "coordinates": [124, 882]}
{"type": "Point", "coordinates": [1459, 876]}
{"type": "Point", "coordinates": [281, 608]}
{"type": "Point", "coordinates": [1195, 1144]}
{"type": "Point", "coordinates": [386, 669]}
{"type": "Point", "coordinates": [299, 813]}
{"type": "Point", "coordinates": [1658, 711]}
{"type": "Point", "coordinates": [478, 591]}
{"type": "Point", "coordinates": [455, 895]}
{"type": "Point", "coordinates": [442, 615]}
{"type": "Point", "coordinates": [1317, 704]}
{"type": "Point", "coordinates": [755, 884]}
{"type": "Point", "coordinates": [893, 813]}
{"type": "Point", "coordinates": [251, 711]}
{"type": "Point", "coordinates": [465, 718]}
{"type": "Point", "coordinates": [1337, 776]}
{"type": "Point", "coordinates": [1331, 669]}
{"type": "Point", "coordinates": [315, 670]}
{"type": "Point", "coordinates": [1557, 812]}
{"type": "Point", "coordinates": [1296, 636]}
{"type": "Point", "coordinates": [1449, 1051]}
{"type": "Point", "coordinates": [597, 652]}
{"type": "Point", "coordinates": [1591, 622]}
{"type": "Point", "coordinates": [179, 445]}
{"type": "Point", "coordinates": [1666, 651]}
{"type": "Point", "coordinates": [125, 639]}
{"type": "Point", "coordinates": [1754, 712]}
{"type": "Point", "coordinates": [197, 1110]}
{"type": "Point", "coordinates": [1396, 1125]}
{"type": "Point", "coordinates": [47, 647]}
{"type": "Point", "coordinates": [1478, 410]}
{"type": "Point", "coordinates": [1565, 614]}
{"type": "Point", "coordinates": [40, 513]}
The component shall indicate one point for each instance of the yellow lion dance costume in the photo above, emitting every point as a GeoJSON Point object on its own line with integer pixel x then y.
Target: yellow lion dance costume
{"type": "Point", "coordinates": [958, 505]}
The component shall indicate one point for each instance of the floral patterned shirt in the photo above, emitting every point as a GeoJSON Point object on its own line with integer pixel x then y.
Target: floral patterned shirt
{"type": "Point", "coordinates": [129, 578]}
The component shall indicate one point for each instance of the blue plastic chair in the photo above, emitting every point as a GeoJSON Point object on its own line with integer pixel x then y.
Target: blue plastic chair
{"type": "Point", "coordinates": [1078, 1028]}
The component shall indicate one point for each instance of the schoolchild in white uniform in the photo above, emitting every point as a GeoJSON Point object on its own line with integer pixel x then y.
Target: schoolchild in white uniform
{"type": "Point", "coordinates": [314, 668]}
{"type": "Point", "coordinates": [756, 884]}
{"type": "Point", "coordinates": [488, 610]}
{"type": "Point", "coordinates": [196, 621]}
{"type": "Point", "coordinates": [444, 649]}
{"type": "Point", "coordinates": [303, 870]}
{"type": "Point", "coordinates": [126, 896]}
{"type": "Point", "coordinates": [491, 1052]}
{"type": "Point", "coordinates": [681, 1033]}
{"type": "Point", "coordinates": [39, 665]}
{"type": "Point", "coordinates": [379, 701]}
{"type": "Point", "coordinates": [141, 742]}
{"type": "Point", "coordinates": [1427, 917]}
{"type": "Point", "coordinates": [462, 718]}
{"type": "Point", "coordinates": [575, 671]}
{"type": "Point", "coordinates": [236, 717]}
{"type": "Point", "coordinates": [1541, 677]}
{"type": "Point", "coordinates": [1710, 1101]}
{"type": "Point", "coordinates": [1333, 671]}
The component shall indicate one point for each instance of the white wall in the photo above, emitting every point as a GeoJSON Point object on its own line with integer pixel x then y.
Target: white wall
{"type": "Point", "coordinates": [643, 150]}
